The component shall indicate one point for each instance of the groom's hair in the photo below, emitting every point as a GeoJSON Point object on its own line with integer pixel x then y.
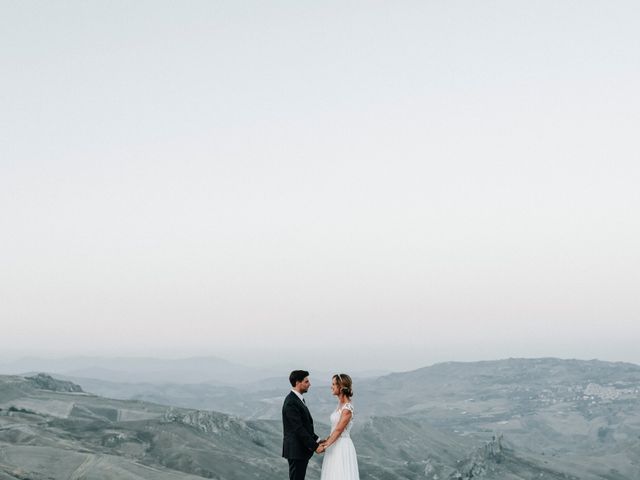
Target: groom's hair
{"type": "Point", "coordinates": [297, 376]}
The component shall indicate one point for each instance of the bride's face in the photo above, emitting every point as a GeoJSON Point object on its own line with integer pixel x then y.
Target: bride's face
{"type": "Point", "coordinates": [335, 388]}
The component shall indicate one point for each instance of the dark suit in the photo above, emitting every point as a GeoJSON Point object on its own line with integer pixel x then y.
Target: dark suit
{"type": "Point", "coordinates": [300, 441]}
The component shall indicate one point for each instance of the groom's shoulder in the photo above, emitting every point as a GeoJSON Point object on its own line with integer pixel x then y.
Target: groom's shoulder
{"type": "Point", "coordinates": [289, 397]}
{"type": "Point", "coordinates": [288, 401]}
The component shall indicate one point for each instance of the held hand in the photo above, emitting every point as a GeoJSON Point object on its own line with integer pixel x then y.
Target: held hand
{"type": "Point", "coordinates": [320, 449]}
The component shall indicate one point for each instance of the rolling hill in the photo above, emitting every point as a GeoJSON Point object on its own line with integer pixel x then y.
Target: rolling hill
{"type": "Point", "coordinates": [51, 429]}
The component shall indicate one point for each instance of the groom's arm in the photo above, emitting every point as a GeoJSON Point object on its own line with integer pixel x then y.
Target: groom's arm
{"type": "Point", "coordinates": [293, 417]}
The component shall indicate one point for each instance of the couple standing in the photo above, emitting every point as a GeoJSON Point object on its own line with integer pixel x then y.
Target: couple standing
{"type": "Point", "coordinates": [300, 441]}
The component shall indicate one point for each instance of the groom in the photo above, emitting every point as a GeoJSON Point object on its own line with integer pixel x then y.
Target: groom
{"type": "Point", "coordinates": [300, 441]}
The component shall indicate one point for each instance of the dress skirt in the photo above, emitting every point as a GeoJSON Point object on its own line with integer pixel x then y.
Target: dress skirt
{"type": "Point", "coordinates": [340, 461]}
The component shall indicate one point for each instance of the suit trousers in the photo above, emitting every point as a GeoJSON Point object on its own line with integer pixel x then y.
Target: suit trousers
{"type": "Point", "coordinates": [297, 469]}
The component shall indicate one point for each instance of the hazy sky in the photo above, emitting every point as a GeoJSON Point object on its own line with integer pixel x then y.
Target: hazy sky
{"type": "Point", "coordinates": [390, 183]}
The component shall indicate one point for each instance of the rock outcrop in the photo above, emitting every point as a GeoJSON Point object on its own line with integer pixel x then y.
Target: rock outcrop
{"type": "Point", "coordinates": [47, 382]}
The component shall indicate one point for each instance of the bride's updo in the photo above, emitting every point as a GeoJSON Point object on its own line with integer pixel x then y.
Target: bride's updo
{"type": "Point", "coordinates": [344, 382]}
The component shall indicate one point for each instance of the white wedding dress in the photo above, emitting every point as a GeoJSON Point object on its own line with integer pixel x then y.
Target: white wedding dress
{"type": "Point", "coordinates": [340, 462]}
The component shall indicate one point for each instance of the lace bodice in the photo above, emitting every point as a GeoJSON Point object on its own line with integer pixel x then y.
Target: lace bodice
{"type": "Point", "coordinates": [335, 418]}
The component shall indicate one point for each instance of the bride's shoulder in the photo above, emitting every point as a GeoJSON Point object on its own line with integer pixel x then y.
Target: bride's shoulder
{"type": "Point", "coordinates": [348, 406]}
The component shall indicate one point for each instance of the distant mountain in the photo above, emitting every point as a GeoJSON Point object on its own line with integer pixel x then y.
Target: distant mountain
{"type": "Point", "coordinates": [212, 370]}
{"type": "Point", "coordinates": [49, 434]}
{"type": "Point", "coordinates": [521, 384]}
{"type": "Point", "coordinates": [256, 400]}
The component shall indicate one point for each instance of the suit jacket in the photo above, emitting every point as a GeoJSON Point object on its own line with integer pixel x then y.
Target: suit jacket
{"type": "Point", "coordinates": [300, 441]}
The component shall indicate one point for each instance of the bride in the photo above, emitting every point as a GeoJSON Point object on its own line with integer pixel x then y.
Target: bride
{"type": "Point", "coordinates": [340, 462]}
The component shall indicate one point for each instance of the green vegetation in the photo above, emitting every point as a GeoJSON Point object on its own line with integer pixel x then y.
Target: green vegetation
{"type": "Point", "coordinates": [20, 410]}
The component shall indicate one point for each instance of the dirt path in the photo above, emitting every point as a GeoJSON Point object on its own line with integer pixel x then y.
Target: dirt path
{"type": "Point", "coordinates": [84, 468]}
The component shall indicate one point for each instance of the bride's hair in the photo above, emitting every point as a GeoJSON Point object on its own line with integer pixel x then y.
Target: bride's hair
{"type": "Point", "coordinates": [344, 382]}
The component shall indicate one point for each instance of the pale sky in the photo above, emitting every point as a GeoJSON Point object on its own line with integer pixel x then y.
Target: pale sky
{"type": "Point", "coordinates": [392, 183]}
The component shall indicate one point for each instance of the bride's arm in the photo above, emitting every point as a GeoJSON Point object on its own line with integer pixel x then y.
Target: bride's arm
{"type": "Point", "coordinates": [345, 418]}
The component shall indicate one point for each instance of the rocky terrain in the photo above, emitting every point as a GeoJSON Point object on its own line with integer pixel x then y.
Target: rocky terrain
{"type": "Point", "coordinates": [578, 417]}
{"type": "Point", "coordinates": [509, 419]}
{"type": "Point", "coordinates": [50, 434]}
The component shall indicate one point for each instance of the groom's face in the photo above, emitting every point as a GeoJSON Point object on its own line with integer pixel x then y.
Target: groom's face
{"type": "Point", "coordinates": [303, 386]}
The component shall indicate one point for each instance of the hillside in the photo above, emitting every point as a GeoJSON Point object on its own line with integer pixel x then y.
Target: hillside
{"type": "Point", "coordinates": [581, 417]}
{"type": "Point", "coordinates": [53, 430]}
{"type": "Point", "coordinates": [578, 417]}
{"type": "Point", "coordinates": [50, 434]}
